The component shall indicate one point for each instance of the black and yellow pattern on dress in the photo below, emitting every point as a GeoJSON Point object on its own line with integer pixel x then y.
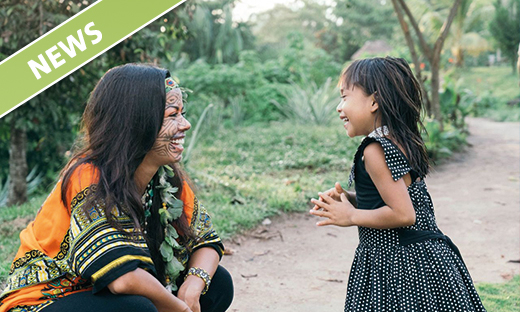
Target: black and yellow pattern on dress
{"type": "Point", "coordinates": [92, 250]}
{"type": "Point", "coordinates": [204, 232]}
{"type": "Point", "coordinates": [34, 268]}
{"type": "Point", "coordinates": [101, 253]}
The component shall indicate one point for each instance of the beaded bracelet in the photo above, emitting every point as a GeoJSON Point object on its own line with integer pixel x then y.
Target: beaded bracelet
{"type": "Point", "coordinates": [203, 275]}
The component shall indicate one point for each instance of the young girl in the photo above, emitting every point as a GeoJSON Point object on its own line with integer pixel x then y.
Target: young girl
{"type": "Point", "coordinates": [403, 261]}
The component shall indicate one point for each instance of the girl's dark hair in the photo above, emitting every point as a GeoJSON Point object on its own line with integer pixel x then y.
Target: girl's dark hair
{"type": "Point", "coordinates": [398, 94]}
{"type": "Point", "coordinates": [122, 118]}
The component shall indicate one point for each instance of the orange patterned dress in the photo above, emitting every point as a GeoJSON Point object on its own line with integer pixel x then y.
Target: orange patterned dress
{"type": "Point", "coordinates": [64, 251]}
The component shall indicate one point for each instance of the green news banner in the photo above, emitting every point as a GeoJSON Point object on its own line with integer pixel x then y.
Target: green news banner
{"type": "Point", "coordinates": [71, 45]}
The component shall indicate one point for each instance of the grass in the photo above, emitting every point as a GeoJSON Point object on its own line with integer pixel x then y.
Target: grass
{"type": "Point", "coordinates": [12, 220]}
{"type": "Point", "coordinates": [497, 79]}
{"type": "Point", "coordinates": [497, 82]}
{"type": "Point", "coordinates": [503, 297]}
{"type": "Point", "coordinates": [247, 174]}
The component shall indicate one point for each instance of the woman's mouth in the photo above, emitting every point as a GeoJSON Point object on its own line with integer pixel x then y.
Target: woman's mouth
{"type": "Point", "coordinates": [178, 144]}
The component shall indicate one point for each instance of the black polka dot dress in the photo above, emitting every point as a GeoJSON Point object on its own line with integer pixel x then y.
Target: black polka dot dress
{"type": "Point", "coordinates": [408, 269]}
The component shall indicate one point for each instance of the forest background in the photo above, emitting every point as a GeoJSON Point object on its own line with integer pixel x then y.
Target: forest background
{"type": "Point", "coordinates": [263, 93]}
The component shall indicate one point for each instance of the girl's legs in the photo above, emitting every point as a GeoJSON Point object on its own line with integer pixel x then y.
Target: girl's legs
{"type": "Point", "coordinates": [103, 301]}
{"type": "Point", "coordinates": [220, 292]}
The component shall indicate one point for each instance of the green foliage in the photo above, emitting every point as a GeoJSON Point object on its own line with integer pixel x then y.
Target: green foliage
{"type": "Point", "coordinates": [505, 28]}
{"type": "Point", "coordinates": [442, 144]}
{"type": "Point", "coordinates": [214, 36]}
{"type": "Point", "coordinates": [493, 92]}
{"type": "Point", "coordinates": [502, 297]}
{"type": "Point", "coordinates": [310, 103]}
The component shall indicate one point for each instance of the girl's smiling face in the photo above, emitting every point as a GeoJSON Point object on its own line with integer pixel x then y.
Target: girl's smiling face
{"type": "Point", "coordinates": [168, 145]}
{"type": "Point", "coordinates": [357, 110]}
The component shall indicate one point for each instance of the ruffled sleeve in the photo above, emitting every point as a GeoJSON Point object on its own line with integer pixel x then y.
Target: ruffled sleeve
{"type": "Point", "coordinates": [394, 158]}
{"type": "Point", "coordinates": [100, 252]}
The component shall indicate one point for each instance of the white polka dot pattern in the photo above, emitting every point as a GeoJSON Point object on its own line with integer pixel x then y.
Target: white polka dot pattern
{"type": "Point", "coordinates": [423, 276]}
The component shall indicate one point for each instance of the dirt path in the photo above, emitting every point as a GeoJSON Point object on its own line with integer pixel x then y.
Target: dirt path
{"type": "Point", "coordinates": [291, 265]}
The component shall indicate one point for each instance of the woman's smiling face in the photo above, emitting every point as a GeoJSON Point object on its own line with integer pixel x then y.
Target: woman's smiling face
{"type": "Point", "coordinates": [168, 145]}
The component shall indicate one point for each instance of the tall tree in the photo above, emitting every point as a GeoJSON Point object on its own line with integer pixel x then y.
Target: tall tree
{"type": "Point", "coordinates": [213, 35]}
{"type": "Point", "coordinates": [505, 28]}
{"type": "Point", "coordinates": [466, 33]}
{"type": "Point", "coordinates": [432, 53]}
{"type": "Point", "coordinates": [23, 22]}
{"type": "Point", "coordinates": [42, 130]}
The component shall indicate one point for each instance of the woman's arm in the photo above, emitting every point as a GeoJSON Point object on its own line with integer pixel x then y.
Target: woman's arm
{"type": "Point", "coordinates": [207, 259]}
{"type": "Point", "coordinates": [140, 282]}
{"type": "Point", "coordinates": [398, 212]}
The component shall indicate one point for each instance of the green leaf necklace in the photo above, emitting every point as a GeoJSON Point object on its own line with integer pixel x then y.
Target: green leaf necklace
{"type": "Point", "coordinates": [171, 210]}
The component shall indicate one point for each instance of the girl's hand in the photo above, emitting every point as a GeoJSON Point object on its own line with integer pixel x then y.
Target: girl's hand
{"type": "Point", "coordinates": [337, 212]}
{"type": "Point", "coordinates": [334, 193]}
{"type": "Point", "coordinates": [190, 290]}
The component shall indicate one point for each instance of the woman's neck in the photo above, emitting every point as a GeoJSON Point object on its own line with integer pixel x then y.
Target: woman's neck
{"type": "Point", "coordinates": [143, 174]}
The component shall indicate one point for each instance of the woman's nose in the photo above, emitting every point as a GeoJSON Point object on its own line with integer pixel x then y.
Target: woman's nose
{"type": "Point", "coordinates": [185, 125]}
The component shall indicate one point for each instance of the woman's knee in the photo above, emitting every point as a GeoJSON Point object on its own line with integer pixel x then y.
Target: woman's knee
{"type": "Point", "coordinates": [220, 293]}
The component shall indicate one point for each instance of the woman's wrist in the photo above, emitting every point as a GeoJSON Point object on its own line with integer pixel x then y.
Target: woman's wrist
{"type": "Point", "coordinates": [202, 276]}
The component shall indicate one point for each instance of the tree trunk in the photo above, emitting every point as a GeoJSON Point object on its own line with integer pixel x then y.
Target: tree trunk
{"type": "Point", "coordinates": [415, 58]}
{"type": "Point", "coordinates": [17, 166]}
{"type": "Point", "coordinates": [435, 84]}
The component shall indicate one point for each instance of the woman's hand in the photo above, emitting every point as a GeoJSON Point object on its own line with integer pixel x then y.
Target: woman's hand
{"type": "Point", "coordinates": [190, 291]}
{"type": "Point", "coordinates": [337, 212]}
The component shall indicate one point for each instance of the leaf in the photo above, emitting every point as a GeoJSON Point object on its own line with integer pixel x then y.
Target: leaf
{"type": "Point", "coordinates": [166, 252]}
{"type": "Point", "coordinates": [169, 240]}
{"type": "Point", "coordinates": [170, 231]}
{"type": "Point", "coordinates": [169, 171]}
{"type": "Point", "coordinates": [165, 216]}
{"type": "Point", "coordinates": [175, 212]}
{"type": "Point", "coordinates": [178, 204]}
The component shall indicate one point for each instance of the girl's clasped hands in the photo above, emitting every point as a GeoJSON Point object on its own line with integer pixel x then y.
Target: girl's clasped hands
{"type": "Point", "coordinates": [334, 205]}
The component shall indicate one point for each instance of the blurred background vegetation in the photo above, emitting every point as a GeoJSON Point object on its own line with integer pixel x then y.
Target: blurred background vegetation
{"type": "Point", "coordinates": [264, 93]}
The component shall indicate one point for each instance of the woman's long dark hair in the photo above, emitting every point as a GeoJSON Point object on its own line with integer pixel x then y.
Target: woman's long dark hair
{"type": "Point", "coordinates": [399, 97]}
{"type": "Point", "coordinates": [122, 118]}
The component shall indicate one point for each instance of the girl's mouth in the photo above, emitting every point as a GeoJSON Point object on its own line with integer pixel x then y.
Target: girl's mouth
{"type": "Point", "coordinates": [345, 122]}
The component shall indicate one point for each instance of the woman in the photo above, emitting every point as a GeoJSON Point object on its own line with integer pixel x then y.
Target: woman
{"type": "Point", "coordinates": [121, 224]}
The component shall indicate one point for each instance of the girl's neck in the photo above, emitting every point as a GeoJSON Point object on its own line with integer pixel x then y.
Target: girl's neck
{"type": "Point", "coordinates": [381, 131]}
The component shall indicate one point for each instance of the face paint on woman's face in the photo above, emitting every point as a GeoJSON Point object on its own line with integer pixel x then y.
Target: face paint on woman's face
{"type": "Point", "coordinates": [168, 145]}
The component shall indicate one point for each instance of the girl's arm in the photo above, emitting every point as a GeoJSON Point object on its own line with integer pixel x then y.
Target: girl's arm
{"type": "Point", "coordinates": [207, 259]}
{"type": "Point", "coordinates": [140, 282]}
{"type": "Point", "coordinates": [398, 212]}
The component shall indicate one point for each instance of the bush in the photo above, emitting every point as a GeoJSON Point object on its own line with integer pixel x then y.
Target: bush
{"type": "Point", "coordinates": [441, 144]}
{"type": "Point", "coordinates": [309, 103]}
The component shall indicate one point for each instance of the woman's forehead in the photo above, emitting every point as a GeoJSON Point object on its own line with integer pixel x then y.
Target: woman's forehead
{"type": "Point", "coordinates": [174, 97]}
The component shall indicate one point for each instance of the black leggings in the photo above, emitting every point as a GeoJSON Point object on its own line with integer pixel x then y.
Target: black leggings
{"type": "Point", "coordinates": [217, 299]}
